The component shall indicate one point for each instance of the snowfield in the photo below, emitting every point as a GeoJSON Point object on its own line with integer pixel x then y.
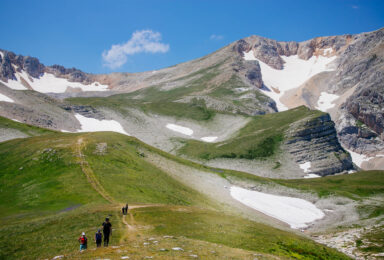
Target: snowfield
{"type": "Point", "coordinates": [180, 129]}
{"type": "Point", "coordinates": [209, 139]}
{"type": "Point", "coordinates": [48, 83]}
{"type": "Point", "coordinates": [325, 101]}
{"type": "Point", "coordinates": [298, 213]}
{"type": "Point", "coordinates": [94, 125]}
{"type": "Point", "coordinates": [6, 99]}
{"type": "Point", "coordinates": [295, 72]}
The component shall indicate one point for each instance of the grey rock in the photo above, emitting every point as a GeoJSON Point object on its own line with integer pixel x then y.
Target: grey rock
{"type": "Point", "coordinates": [315, 140]}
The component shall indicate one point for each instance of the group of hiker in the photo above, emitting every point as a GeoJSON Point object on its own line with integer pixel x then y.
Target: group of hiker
{"type": "Point", "coordinates": [107, 232]}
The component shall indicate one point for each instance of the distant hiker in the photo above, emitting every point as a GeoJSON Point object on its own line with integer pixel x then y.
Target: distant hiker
{"type": "Point", "coordinates": [98, 238]}
{"type": "Point", "coordinates": [126, 208]}
{"type": "Point", "coordinates": [107, 230]}
{"type": "Point", "coordinates": [83, 242]}
{"type": "Point", "coordinates": [123, 210]}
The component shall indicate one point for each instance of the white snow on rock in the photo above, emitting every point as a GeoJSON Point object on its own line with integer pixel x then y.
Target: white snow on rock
{"type": "Point", "coordinates": [305, 166]}
{"type": "Point", "coordinates": [209, 139]}
{"type": "Point", "coordinates": [358, 159]}
{"type": "Point", "coordinates": [311, 175]}
{"type": "Point", "coordinates": [48, 83]}
{"type": "Point", "coordinates": [95, 125]}
{"type": "Point", "coordinates": [6, 99]}
{"type": "Point", "coordinates": [180, 129]}
{"type": "Point", "coordinates": [325, 101]}
{"type": "Point", "coordinates": [295, 72]}
{"type": "Point", "coordinates": [327, 51]}
{"type": "Point", "coordinates": [177, 249]}
{"type": "Point", "coordinates": [293, 211]}
{"type": "Point", "coordinates": [2, 55]}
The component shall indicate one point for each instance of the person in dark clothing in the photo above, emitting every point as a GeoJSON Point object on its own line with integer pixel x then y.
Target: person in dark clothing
{"type": "Point", "coordinates": [107, 231]}
{"type": "Point", "coordinates": [123, 210]}
{"type": "Point", "coordinates": [98, 238]}
{"type": "Point", "coordinates": [126, 208]}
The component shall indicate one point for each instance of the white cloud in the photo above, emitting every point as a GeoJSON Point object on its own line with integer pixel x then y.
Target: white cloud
{"type": "Point", "coordinates": [141, 41]}
{"type": "Point", "coordinates": [216, 37]}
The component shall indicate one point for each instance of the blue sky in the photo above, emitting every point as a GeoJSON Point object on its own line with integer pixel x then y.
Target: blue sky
{"type": "Point", "coordinates": [76, 33]}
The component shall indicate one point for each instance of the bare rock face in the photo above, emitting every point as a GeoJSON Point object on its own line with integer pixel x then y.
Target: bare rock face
{"type": "Point", "coordinates": [72, 74]}
{"type": "Point", "coordinates": [361, 66]}
{"type": "Point", "coordinates": [35, 69]}
{"type": "Point", "coordinates": [6, 69]}
{"type": "Point", "coordinates": [315, 140]}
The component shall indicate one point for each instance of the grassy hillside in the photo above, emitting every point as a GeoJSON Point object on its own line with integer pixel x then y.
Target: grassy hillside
{"type": "Point", "coordinates": [193, 89]}
{"type": "Point", "coordinates": [259, 139]}
{"type": "Point", "coordinates": [54, 187]}
{"type": "Point", "coordinates": [28, 130]}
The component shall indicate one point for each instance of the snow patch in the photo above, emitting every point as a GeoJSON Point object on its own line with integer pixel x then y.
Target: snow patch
{"type": "Point", "coordinates": [2, 55]}
{"type": "Point", "coordinates": [293, 211]}
{"type": "Point", "coordinates": [180, 129]}
{"type": "Point", "coordinates": [305, 166]}
{"type": "Point", "coordinates": [295, 72]}
{"type": "Point", "coordinates": [358, 159]}
{"type": "Point", "coordinates": [325, 101]}
{"type": "Point", "coordinates": [93, 125]}
{"type": "Point", "coordinates": [6, 99]}
{"type": "Point", "coordinates": [311, 175]}
{"type": "Point", "coordinates": [209, 139]}
{"type": "Point", "coordinates": [48, 83]}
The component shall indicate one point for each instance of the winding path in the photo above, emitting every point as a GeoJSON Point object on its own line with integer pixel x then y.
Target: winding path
{"type": "Point", "coordinates": [87, 170]}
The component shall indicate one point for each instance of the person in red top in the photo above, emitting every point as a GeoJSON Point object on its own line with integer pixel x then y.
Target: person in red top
{"type": "Point", "coordinates": [83, 242]}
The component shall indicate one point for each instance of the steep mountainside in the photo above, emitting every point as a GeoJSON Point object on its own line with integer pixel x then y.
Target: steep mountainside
{"type": "Point", "coordinates": [341, 75]}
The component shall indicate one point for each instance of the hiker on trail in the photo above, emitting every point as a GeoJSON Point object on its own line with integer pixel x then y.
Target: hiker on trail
{"type": "Point", "coordinates": [107, 230]}
{"type": "Point", "coordinates": [83, 242]}
{"type": "Point", "coordinates": [123, 210]}
{"type": "Point", "coordinates": [126, 208]}
{"type": "Point", "coordinates": [98, 238]}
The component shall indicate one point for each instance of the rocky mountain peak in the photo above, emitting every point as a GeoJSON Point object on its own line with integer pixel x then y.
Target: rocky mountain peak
{"type": "Point", "coordinates": [10, 63]}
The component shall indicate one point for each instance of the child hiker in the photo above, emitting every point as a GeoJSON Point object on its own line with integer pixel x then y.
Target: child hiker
{"type": "Point", "coordinates": [98, 238]}
{"type": "Point", "coordinates": [83, 242]}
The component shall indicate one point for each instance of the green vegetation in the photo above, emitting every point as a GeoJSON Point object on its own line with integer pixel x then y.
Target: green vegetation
{"type": "Point", "coordinates": [259, 139]}
{"type": "Point", "coordinates": [163, 102]}
{"type": "Point", "coordinates": [45, 196]}
{"type": "Point", "coordinates": [376, 240]}
{"type": "Point", "coordinates": [42, 174]}
{"type": "Point", "coordinates": [232, 231]}
{"type": "Point", "coordinates": [49, 236]}
{"type": "Point", "coordinates": [28, 130]}
{"type": "Point", "coordinates": [354, 186]}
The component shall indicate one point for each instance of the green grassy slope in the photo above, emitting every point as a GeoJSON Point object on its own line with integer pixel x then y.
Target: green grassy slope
{"type": "Point", "coordinates": [46, 199]}
{"type": "Point", "coordinates": [196, 86]}
{"type": "Point", "coordinates": [232, 231]}
{"type": "Point", "coordinates": [29, 130]}
{"type": "Point", "coordinates": [260, 138]}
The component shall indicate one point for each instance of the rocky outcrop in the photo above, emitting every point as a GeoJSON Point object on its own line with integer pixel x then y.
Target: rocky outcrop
{"type": "Point", "coordinates": [270, 51]}
{"type": "Point", "coordinates": [10, 63]}
{"type": "Point", "coordinates": [315, 140]}
{"type": "Point", "coordinates": [72, 74]}
{"type": "Point", "coordinates": [360, 120]}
